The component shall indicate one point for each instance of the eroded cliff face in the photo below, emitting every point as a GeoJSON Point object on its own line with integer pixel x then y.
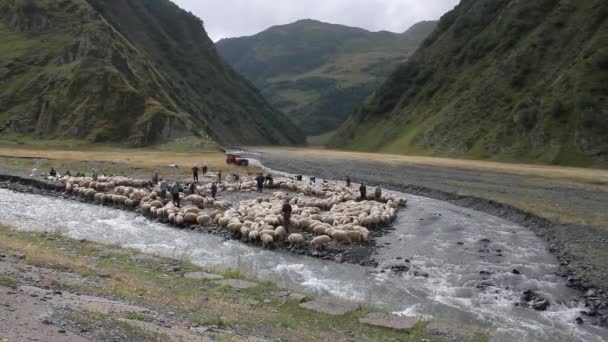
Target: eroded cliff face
{"type": "Point", "coordinates": [69, 69]}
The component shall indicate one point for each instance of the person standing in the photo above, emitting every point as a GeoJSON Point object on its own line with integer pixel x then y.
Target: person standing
{"type": "Point", "coordinates": [363, 191]}
{"type": "Point", "coordinates": [94, 174]}
{"type": "Point", "coordinates": [260, 182]}
{"type": "Point", "coordinates": [287, 209]}
{"type": "Point", "coordinates": [213, 190]}
{"type": "Point", "coordinates": [192, 188]}
{"type": "Point", "coordinates": [175, 190]}
{"type": "Point", "coordinates": [205, 169]}
{"type": "Point", "coordinates": [164, 187]}
{"type": "Point", "coordinates": [219, 177]}
{"type": "Point", "coordinates": [348, 181]}
{"type": "Point", "coordinates": [155, 178]}
{"type": "Point", "coordinates": [269, 181]}
{"type": "Point", "coordinates": [378, 194]}
{"type": "Point", "coordinates": [195, 173]}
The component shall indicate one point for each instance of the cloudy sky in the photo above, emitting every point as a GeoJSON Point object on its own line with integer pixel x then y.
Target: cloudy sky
{"type": "Point", "coordinates": [235, 18]}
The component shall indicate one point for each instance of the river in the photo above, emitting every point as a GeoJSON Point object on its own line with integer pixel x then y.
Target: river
{"type": "Point", "coordinates": [461, 263]}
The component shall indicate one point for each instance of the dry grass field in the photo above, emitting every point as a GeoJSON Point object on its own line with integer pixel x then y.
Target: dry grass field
{"type": "Point", "coordinates": [141, 162]}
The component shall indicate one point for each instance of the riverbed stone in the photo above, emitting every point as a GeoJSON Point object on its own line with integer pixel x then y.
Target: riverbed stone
{"type": "Point", "coordinates": [236, 283]}
{"type": "Point", "coordinates": [330, 306]}
{"type": "Point", "coordinates": [289, 296]}
{"type": "Point", "coordinates": [390, 321]}
{"type": "Point", "coordinates": [202, 275]}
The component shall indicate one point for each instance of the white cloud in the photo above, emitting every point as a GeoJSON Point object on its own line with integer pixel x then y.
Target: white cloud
{"type": "Point", "coordinates": [233, 18]}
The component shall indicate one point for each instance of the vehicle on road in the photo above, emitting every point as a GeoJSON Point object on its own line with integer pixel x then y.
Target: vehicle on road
{"type": "Point", "coordinates": [232, 159]}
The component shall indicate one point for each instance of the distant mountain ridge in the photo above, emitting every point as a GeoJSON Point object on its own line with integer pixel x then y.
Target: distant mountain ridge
{"type": "Point", "coordinates": [498, 79]}
{"type": "Point", "coordinates": [133, 71]}
{"type": "Point", "coordinates": [318, 73]}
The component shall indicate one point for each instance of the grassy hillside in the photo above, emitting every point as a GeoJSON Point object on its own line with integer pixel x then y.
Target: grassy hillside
{"type": "Point", "coordinates": [125, 70]}
{"type": "Point", "coordinates": [498, 79]}
{"type": "Point", "coordinates": [318, 73]}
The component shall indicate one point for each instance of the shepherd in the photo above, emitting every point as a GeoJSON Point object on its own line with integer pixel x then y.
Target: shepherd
{"type": "Point", "coordinates": [286, 213]}
{"type": "Point", "coordinates": [260, 182]}
{"type": "Point", "coordinates": [213, 190]}
{"type": "Point", "coordinates": [175, 190]}
{"type": "Point", "coordinates": [195, 173]}
{"type": "Point", "coordinates": [363, 191]}
{"type": "Point", "coordinates": [378, 194]}
{"type": "Point", "coordinates": [164, 186]}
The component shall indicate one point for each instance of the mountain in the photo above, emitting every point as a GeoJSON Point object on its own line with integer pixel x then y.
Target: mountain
{"type": "Point", "coordinates": [498, 79]}
{"type": "Point", "coordinates": [318, 73]}
{"type": "Point", "coordinates": [133, 71]}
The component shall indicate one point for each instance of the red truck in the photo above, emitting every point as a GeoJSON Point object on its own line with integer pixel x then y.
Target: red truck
{"type": "Point", "coordinates": [233, 159]}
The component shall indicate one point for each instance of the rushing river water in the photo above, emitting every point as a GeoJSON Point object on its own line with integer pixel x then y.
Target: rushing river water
{"type": "Point", "coordinates": [469, 258]}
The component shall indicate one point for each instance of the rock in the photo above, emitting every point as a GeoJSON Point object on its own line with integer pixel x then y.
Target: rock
{"type": "Point", "coordinates": [540, 305]}
{"type": "Point", "coordinates": [515, 271]}
{"type": "Point", "coordinates": [173, 268]}
{"type": "Point", "coordinates": [290, 296]}
{"type": "Point", "coordinates": [390, 321]}
{"type": "Point", "coordinates": [19, 255]}
{"type": "Point", "coordinates": [236, 283]}
{"type": "Point", "coordinates": [100, 272]}
{"type": "Point", "coordinates": [579, 320]}
{"type": "Point", "coordinates": [330, 306]}
{"type": "Point", "coordinates": [399, 268]}
{"type": "Point", "coordinates": [202, 275]}
{"type": "Point", "coordinates": [485, 240]}
{"type": "Point", "coordinates": [531, 299]}
{"type": "Point", "coordinates": [421, 274]}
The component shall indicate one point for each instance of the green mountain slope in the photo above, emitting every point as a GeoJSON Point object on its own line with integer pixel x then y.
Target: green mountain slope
{"type": "Point", "coordinates": [501, 79]}
{"type": "Point", "coordinates": [318, 73]}
{"type": "Point", "coordinates": [124, 70]}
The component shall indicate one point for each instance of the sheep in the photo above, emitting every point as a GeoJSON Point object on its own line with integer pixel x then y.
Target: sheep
{"type": "Point", "coordinates": [268, 232]}
{"type": "Point", "coordinates": [234, 228]}
{"type": "Point", "coordinates": [295, 239]}
{"type": "Point", "coordinates": [320, 240]}
{"type": "Point", "coordinates": [156, 204]}
{"type": "Point", "coordinates": [267, 240]}
{"type": "Point", "coordinates": [203, 219]}
{"type": "Point", "coordinates": [146, 208]}
{"type": "Point", "coordinates": [254, 235]}
{"type": "Point", "coordinates": [319, 230]}
{"type": "Point", "coordinates": [280, 232]}
{"type": "Point", "coordinates": [190, 218]}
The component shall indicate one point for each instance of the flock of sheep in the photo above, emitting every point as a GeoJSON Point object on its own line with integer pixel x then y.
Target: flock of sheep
{"type": "Point", "coordinates": [321, 213]}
